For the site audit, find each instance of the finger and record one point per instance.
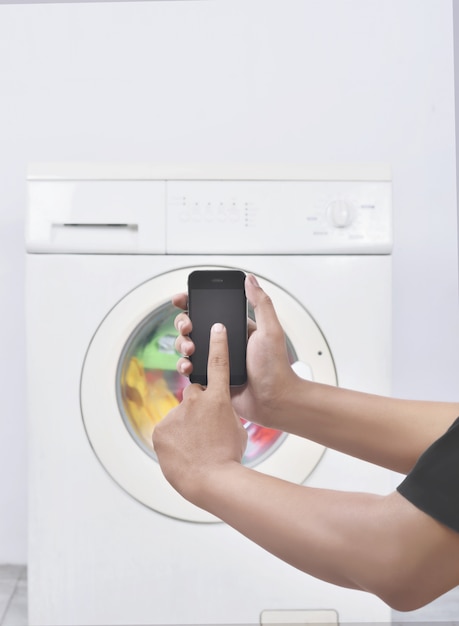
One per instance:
(184, 346)
(251, 326)
(184, 366)
(192, 390)
(263, 307)
(218, 371)
(183, 324)
(180, 300)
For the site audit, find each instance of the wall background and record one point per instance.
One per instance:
(257, 81)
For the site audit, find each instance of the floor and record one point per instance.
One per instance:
(13, 603)
(13, 595)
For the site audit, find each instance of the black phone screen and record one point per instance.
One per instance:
(218, 296)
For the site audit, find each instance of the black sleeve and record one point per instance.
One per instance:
(433, 483)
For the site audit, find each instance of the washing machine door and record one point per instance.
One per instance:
(129, 383)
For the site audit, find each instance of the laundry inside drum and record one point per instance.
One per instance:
(149, 386)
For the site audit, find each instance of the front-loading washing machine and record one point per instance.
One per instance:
(110, 542)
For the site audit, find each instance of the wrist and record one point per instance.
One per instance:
(215, 486)
(287, 404)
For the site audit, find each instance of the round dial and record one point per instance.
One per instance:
(340, 213)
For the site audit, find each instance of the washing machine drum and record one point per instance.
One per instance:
(129, 383)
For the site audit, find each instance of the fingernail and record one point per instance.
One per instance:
(218, 328)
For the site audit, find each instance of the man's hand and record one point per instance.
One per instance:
(270, 377)
(202, 434)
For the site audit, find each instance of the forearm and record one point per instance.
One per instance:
(311, 529)
(380, 544)
(386, 431)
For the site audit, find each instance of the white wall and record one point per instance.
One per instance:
(302, 81)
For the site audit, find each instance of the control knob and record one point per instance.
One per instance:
(340, 213)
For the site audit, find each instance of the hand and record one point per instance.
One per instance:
(203, 433)
(270, 377)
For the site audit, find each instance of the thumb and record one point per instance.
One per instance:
(265, 314)
(218, 365)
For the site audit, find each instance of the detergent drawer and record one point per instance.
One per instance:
(96, 216)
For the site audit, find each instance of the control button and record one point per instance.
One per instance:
(340, 213)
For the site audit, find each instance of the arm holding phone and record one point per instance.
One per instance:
(382, 544)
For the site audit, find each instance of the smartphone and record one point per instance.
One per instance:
(218, 296)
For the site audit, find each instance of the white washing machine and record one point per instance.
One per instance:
(110, 542)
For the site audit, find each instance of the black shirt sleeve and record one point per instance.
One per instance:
(433, 483)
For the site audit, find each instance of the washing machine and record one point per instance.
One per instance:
(107, 245)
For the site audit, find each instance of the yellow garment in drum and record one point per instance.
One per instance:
(146, 403)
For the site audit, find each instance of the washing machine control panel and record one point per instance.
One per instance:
(279, 217)
(145, 211)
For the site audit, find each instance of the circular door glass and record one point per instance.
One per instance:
(149, 386)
